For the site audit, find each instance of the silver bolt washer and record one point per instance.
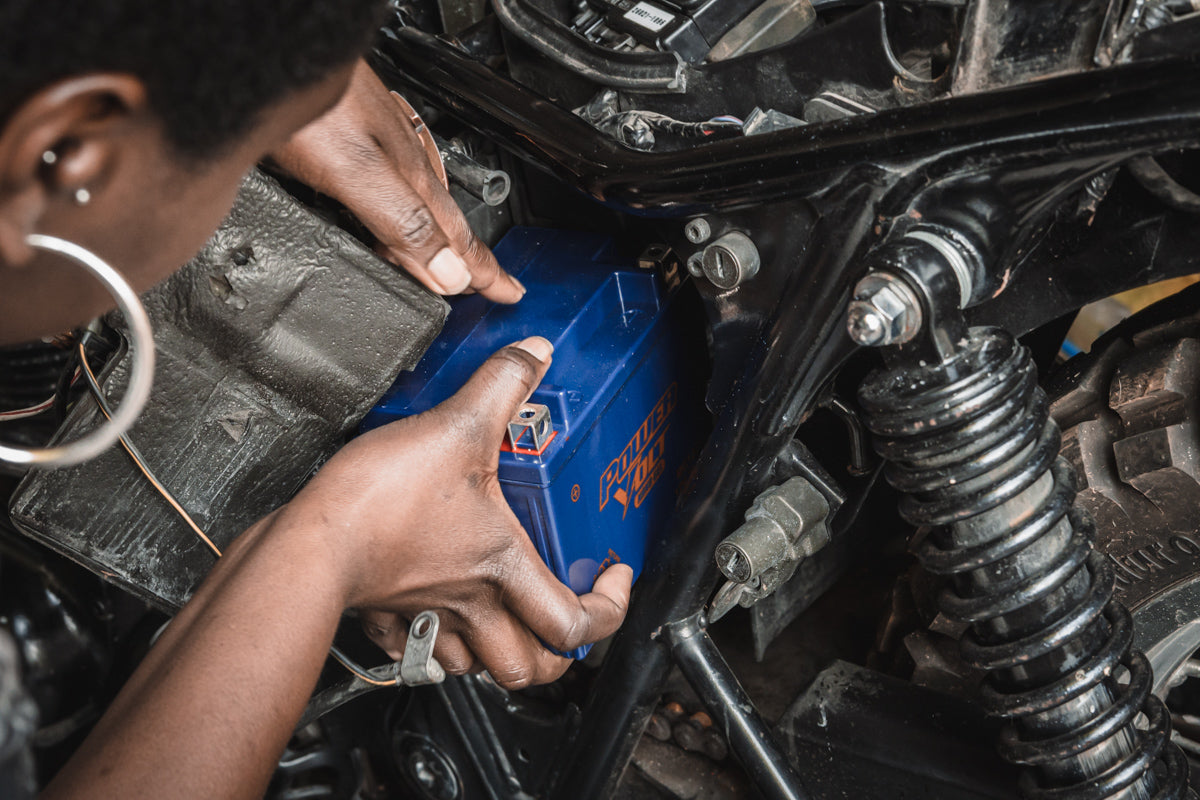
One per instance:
(954, 257)
(866, 326)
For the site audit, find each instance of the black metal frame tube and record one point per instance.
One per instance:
(1129, 109)
(749, 737)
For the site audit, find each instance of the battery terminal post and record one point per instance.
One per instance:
(534, 419)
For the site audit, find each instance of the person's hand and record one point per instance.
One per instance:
(365, 153)
(419, 521)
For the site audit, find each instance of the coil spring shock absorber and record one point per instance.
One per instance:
(965, 429)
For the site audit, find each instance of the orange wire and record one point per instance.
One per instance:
(358, 672)
(361, 674)
(162, 490)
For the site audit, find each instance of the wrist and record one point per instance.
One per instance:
(320, 550)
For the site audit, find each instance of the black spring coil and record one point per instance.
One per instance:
(970, 444)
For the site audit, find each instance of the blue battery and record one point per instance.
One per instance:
(624, 392)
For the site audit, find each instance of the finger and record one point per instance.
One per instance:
(408, 232)
(387, 630)
(490, 398)
(407, 153)
(453, 653)
(487, 277)
(512, 655)
(561, 618)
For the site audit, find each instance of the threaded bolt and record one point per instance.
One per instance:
(885, 310)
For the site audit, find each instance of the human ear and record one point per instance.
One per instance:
(58, 150)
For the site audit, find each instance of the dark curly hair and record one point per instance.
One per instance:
(209, 66)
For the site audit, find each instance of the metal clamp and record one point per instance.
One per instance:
(532, 417)
(418, 667)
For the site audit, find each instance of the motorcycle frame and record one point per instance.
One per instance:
(842, 185)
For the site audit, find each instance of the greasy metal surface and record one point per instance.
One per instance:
(272, 342)
(732, 710)
(1119, 110)
(1006, 43)
(860, 733)
(18, 720)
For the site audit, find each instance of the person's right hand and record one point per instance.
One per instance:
(365, 153)
(420, 523)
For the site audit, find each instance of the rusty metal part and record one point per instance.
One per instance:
(658, 728)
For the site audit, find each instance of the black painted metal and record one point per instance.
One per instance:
(965, 430)
(1128, 109)
(969, 441)
(935, 746)
(750, 740)
(1034, 143)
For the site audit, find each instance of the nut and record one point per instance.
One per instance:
(697, 230)
(884, 311)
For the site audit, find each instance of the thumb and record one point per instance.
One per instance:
(496, 391)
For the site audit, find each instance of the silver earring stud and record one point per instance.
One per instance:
(82, 197)
(49, 157)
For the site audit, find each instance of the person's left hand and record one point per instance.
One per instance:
(365, 153)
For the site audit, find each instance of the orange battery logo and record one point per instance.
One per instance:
(633, 474)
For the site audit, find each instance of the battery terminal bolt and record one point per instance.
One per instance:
(534, 418)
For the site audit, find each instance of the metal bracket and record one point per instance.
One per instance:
(418, 667)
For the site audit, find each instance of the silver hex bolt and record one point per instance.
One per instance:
(730, 260)
(884, 311)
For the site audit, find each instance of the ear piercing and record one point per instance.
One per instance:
(82, 196)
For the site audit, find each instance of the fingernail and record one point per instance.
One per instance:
(448, 269)
(520, 286)
(537, 347)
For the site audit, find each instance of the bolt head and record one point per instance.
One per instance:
(697, 230)
(730, 260)
(884, 311)
(865, 324)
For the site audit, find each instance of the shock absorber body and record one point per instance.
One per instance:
(965, 429)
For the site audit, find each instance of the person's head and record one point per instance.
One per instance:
(126, 126)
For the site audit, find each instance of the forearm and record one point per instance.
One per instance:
(211, 707)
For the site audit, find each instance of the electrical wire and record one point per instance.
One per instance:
(33, 411)
(27, 412)
(1156, 180)
(370, 676)
(365, 675)
(138, 460)
(893, 60)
